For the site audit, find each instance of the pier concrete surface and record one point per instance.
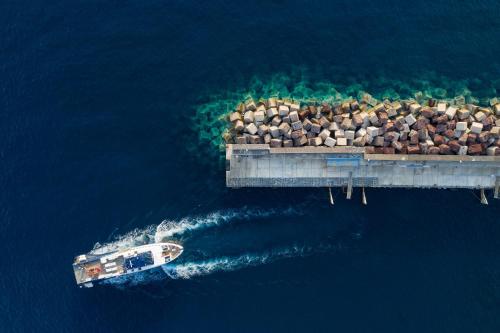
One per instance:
(259, 165)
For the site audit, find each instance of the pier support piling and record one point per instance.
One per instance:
(363, 197)
(349, 186)
(484, 201)
(331, 196)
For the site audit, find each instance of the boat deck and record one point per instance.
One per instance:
(95, 269)
(90, 267)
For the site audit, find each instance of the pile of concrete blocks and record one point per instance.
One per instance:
(383, 127)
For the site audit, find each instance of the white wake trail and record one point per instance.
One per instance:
(170, 228)
(226, 264)
(188, 270)
(135, 237)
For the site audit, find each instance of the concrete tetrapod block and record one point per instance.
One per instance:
(354, 105)
(339, 134)
(476, 128)
(263, 130)
(294, 116)
(276, 121)
(397, 145)
(441, 108)
(410, 119)
(357, 120)
(297, 125)
(284, 128)
(324, 134)
(272, 112)
(349, 135)
(495, 131)
(251, 128)
(324, 123)
(433, 150)
(296, 134)
(413, 150)
(454, 146)
(283, 110)
(461, 126)
(294, 107)
(239, 126)
(307, 124)
(359, 141)
(346, 123)
(360, 132)
(333, 127)
(250, 104)
(496, 108)
(275, 131)
(415, 107)
(330, 142)
(479, 116)
(379, 107)
(451, 112)
(372, 131)
(345, 107)
(275, 143)
(255, 139)
(444, 149)
(475, 149)
(317, 141)
(463, 150)
(373, 118)
(484, 136)
(378, 141)
(234, 116)
(427, 112)
(493, 151)
(341, 142)
(397, 106)
(259, 116)
(300, 141)
(391, 136)
(315, 128)
(463, 114)
(248, 117)
(391, 112)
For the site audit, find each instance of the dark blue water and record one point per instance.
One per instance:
(96, 139)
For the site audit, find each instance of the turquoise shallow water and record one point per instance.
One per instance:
(101, 110)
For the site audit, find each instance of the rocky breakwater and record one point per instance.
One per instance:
(433, 127)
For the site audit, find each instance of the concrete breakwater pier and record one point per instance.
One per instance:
(364, 143)
(251, 165)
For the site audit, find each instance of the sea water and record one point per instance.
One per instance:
(110, 133)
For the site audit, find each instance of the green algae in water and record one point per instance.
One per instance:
(211, 117)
